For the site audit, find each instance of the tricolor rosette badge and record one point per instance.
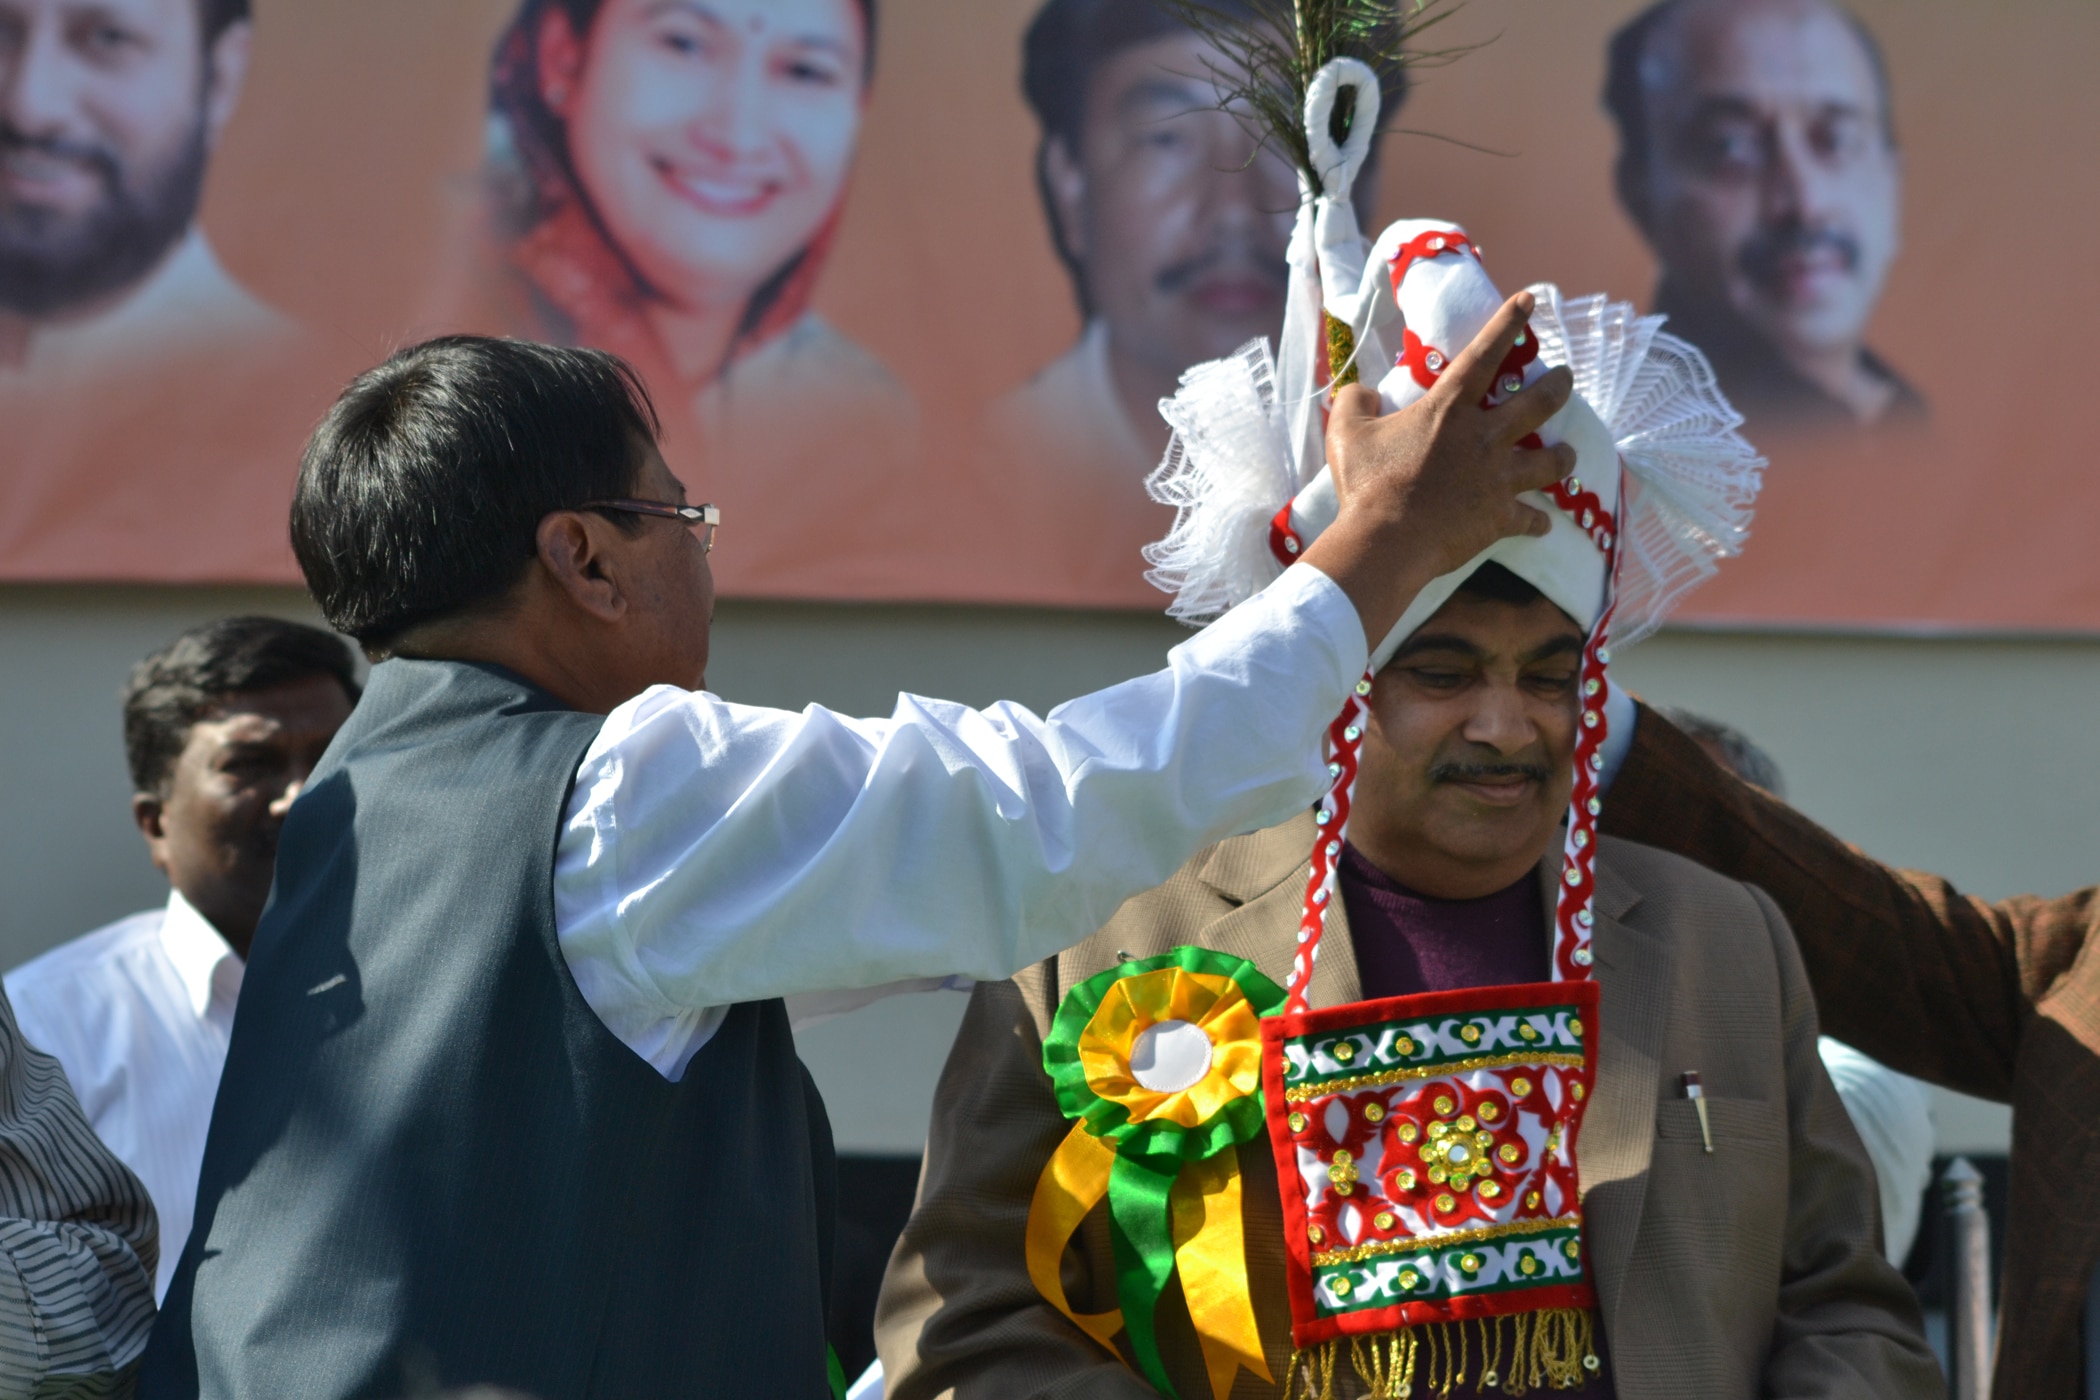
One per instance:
(1158, 1062)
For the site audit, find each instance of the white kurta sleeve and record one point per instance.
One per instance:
(716, 854)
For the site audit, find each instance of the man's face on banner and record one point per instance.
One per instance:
(108, 109)
(1182, 240)
(1773, 187)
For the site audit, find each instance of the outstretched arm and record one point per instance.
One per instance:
(717, 854)
(78, 1239)
(1923, 978)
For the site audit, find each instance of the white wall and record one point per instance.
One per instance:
(1977, 759)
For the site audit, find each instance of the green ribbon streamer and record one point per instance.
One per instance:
(835, 1373)
(1149, 1156)
(1141, 1234)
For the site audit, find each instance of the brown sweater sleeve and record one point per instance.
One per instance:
(1924, 978)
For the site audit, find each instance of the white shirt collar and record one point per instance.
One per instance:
(209, 968)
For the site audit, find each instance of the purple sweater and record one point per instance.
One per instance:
(1408, 943)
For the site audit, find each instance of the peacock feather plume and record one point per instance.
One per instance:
(1272, 48)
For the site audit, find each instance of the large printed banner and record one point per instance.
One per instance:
(907, 277)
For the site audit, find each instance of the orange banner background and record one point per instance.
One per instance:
(347, 194)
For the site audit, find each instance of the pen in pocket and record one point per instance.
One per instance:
(1697, 1095)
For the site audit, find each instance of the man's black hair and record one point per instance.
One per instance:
(1626, 94)
(422, 491)
(218, 16)
(1497, 584)
(178, 685)
(1069, 40)
(1738, 753)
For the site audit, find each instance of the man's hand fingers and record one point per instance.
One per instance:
(1353, 403)
(1527, 410)
(1536, 469)
(1352, 417)
(1472, 374)
(1531, 520)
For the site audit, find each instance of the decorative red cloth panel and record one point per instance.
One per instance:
(1426, 1147)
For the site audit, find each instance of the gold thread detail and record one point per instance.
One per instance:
(1451, 1067)
(1341, 351)
(1356, 1254)
(1517, 1353)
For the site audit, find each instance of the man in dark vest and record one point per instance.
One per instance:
(512, 1096)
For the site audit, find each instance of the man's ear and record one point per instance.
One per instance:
(1064, 191)
(558, 57)
(147, 809)
(226, 73)
(572, 547)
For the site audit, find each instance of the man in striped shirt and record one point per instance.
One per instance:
(78, 1240)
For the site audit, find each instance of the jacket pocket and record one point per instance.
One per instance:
(1750, 1124)
(1702, 1280)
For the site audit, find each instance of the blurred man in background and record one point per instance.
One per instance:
(109, 112)
(221, 727)
(1757, 154)
(1173, 227)
(2000, 1001)
(1892, 1112)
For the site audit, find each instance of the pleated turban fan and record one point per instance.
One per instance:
(1427, 1146)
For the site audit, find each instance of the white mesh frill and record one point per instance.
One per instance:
(1226, 472)
(1691, 479)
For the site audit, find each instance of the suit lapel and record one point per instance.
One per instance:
(1265, 875)
(1618, 1132)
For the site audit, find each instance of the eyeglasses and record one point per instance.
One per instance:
(705, 518)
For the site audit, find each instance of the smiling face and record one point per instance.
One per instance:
(1468, 758)
(712, 137)
(213, 831)
(108, 111)
(1772, 186)
(1180, 226)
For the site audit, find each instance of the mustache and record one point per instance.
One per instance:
(1763, 254)
(99, 158)
(1176, 277)
(1486, 772)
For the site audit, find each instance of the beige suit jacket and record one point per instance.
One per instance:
(1754, 1271)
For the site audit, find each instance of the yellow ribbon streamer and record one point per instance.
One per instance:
(1210, 1254)
(1210, 1251)
(1198, 1217)
(1073, 1183)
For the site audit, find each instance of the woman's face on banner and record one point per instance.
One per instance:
(713, 137)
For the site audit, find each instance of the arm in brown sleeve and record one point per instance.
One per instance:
(1848, 1324)
(959, 1316)
(1923, 978)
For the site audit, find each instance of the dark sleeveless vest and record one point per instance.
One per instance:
(430, 1164)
